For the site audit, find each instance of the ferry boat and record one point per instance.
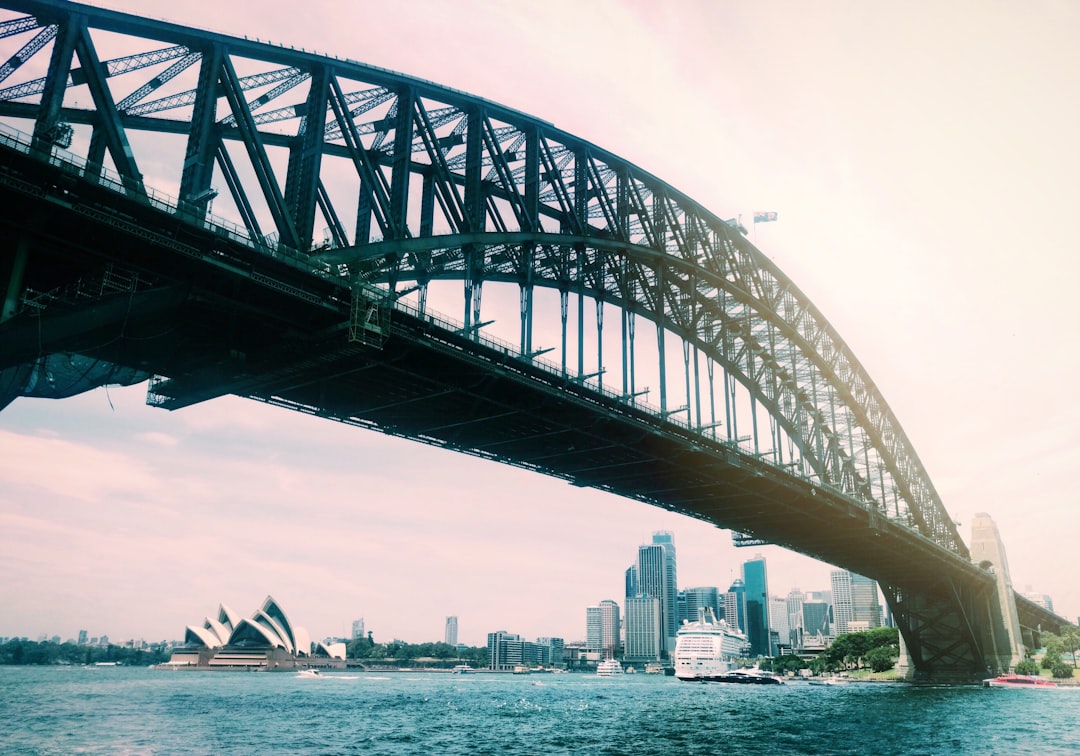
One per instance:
(609, 667)
(704, 649)
(752, 676)
(1018, 681)
(462, 669)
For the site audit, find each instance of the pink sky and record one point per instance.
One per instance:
(923, 163)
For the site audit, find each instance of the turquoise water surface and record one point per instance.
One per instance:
(88, 710)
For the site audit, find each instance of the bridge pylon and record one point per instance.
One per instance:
(1003, 642)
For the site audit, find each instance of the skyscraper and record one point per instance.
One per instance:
(855, 602)
(734, 607)
(610, 625)
(451, 630)
(602, 625)
(794, 607)
(780, 624)
(842, 609)
(756, 602)
(656, 577)
(594, 630)
(692, 599)
(643, 629)
(358, 628)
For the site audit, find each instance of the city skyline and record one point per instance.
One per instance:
(926, 217)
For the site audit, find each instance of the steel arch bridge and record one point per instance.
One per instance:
(344, 194)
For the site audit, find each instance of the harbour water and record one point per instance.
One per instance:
(118, 710)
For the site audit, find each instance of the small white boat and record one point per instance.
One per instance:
(832, 680)
(309, 673)
(609, 667)
(462, 669)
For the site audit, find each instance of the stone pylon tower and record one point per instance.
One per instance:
(1004, 647)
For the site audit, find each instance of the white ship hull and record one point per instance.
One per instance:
(704, 649)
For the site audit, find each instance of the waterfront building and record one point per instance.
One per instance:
(508, 650)
(756, 606)
(643, 629)
(450, 635)
(504, 650)
(265, 640)
(358, 628)
(556, 650)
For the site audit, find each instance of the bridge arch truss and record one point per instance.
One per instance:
(397, 183)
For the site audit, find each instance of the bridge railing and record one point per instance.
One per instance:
(79, 166)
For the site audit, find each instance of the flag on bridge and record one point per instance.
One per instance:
(760, 217)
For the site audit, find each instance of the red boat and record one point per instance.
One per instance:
(1018, 681)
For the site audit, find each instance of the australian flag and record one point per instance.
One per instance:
(760, 217)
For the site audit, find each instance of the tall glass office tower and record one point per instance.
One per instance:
(656, 578)
(756, 601)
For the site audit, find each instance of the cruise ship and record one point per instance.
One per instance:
(705, 648)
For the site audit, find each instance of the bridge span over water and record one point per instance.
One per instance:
(220, 215)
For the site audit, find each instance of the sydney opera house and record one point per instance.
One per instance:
(264, 641)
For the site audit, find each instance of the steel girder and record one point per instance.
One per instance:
(444, 185)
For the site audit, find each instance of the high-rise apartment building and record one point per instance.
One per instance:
(450, 636)
(756, 603)
(358, 628)
(794, 607)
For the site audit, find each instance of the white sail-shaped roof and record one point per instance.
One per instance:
(333, 650)
(218, 630)
(201, 636)
(303, 641)
(249, 632)
(275, 612)
(262, 618)
(227, 617)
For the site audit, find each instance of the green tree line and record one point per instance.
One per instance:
(18, 651)
(877, 649)
(399, 653)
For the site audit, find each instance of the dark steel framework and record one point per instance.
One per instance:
(413, 183)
